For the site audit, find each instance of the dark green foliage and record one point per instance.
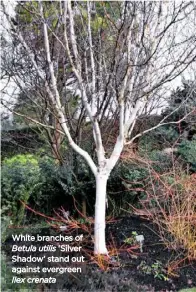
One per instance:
(160, 161)
(135, 173)
(7, 276)
(134, 180)
(160, 138)
(166, 135)
(20, 139)
(43, 185)
(183, 99)
(187, 150)
(20, 178)
(77, 180)
(126, 185)
(32, 180)
(49, 191)
(182, 105)
(147, 144)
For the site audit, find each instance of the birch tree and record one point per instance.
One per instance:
(118, 58)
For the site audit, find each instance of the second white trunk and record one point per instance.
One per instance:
(100, 210)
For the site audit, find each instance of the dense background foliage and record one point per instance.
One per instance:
(44, 183)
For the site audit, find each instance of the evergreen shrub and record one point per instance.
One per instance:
(20, 177)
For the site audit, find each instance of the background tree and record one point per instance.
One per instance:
(115, 60)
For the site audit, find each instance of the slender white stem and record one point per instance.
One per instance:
(57, 103)
(91, 50)
(73, 36)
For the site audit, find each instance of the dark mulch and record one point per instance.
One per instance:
(153, 251)
(125, 272)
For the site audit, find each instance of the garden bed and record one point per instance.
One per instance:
(129, 269)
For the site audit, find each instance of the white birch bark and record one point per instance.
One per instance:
(100, 211)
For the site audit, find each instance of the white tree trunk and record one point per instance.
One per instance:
(100, 210)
